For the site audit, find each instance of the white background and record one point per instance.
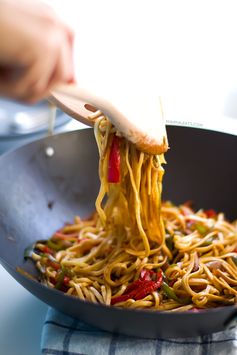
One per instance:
(183, 50)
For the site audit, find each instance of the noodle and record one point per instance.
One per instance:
(136, 251)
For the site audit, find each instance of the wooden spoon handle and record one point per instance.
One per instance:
(66, 97)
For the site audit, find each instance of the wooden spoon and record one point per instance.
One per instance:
(145, 130)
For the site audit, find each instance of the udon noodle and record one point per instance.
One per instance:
(136, 251)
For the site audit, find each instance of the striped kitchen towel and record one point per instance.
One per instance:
(63, 335)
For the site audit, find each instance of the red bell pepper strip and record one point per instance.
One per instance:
(146, 275)
(114, 160)
(210, 213)
(135, 285)
(54, 265)
(47, 250)
(149, 287)
(66, 280)
(141, 287)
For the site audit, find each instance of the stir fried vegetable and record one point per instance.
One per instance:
(114, 161)
(148, 282)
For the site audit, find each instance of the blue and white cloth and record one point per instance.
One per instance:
(63, 335)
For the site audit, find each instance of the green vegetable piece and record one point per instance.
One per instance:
(201, 229)
(207, 242)
(67, 271)
(54, 246)
(171, 266)
(169, 292)
(169, 240)
(60, 280)
(234, 258)
(29, 251)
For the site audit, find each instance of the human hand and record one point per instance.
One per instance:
(35, 50)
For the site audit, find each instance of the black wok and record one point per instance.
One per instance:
(39, 193)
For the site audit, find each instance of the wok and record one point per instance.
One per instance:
(40, 191)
